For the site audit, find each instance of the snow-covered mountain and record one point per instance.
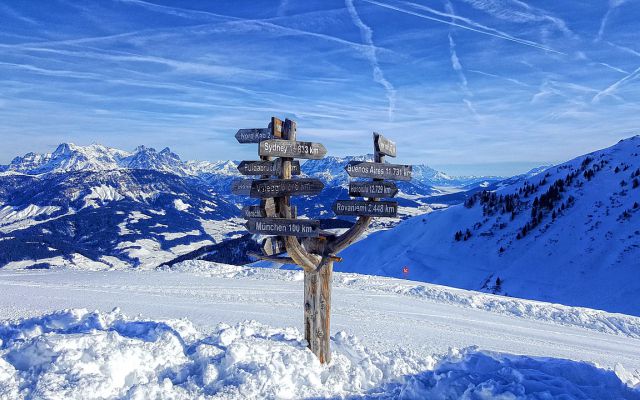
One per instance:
(146, 207)
(570, 234)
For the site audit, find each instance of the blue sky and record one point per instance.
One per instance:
(469, 86)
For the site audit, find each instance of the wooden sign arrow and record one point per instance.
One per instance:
(256, 135)
(264, 188)
(384, 145)
(372, 189)
(266, 167)
(366, 208)
(268, 210)
(253, 135)
(272, 246)
(363, 169)
(284, 227)
(241, 187)
(292, 149)
(253, 212)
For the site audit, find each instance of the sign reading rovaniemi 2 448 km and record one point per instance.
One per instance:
(300, 241)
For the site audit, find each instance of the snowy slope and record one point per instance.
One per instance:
(569, 235)
(191, 338)
(117, 218)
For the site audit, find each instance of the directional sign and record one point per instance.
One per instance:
(268, 210)
(241, 187)
(384, 145)
(257, 135)
(272, 246)
(266, 167)
(253, 212)
(292, 149)
(372, 189)
(253, 135)
(363, 169)
(284, 227)
(264, 188)
(366, 208)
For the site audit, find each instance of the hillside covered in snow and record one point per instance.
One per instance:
(569, 235)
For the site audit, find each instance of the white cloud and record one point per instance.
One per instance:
(489, 32)
(378, 75)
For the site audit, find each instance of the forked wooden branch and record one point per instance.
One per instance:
(279, 260)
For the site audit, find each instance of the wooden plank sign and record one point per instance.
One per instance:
(256, 135)
(272, 246)
(384, 146)
(253, 212)
(292, 149)
(241, 187)
(366, 208)
(363, 169)
(266, 167)
(264, 188)
(284, 227)
(372, 189)
(253, 135)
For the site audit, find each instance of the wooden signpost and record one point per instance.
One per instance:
(304, 243)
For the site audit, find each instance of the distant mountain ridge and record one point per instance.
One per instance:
(69, 157)
(143, 208)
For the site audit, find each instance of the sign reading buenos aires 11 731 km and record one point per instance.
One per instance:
(363, 169)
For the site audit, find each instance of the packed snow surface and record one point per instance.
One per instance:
(219, 331)
(76, 354)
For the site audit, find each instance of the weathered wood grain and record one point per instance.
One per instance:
(383, 145)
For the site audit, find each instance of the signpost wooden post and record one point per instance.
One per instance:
(302, 239)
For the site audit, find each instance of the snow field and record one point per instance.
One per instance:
(76, 354)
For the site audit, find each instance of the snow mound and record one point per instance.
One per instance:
(470, 374)
(76, 354)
